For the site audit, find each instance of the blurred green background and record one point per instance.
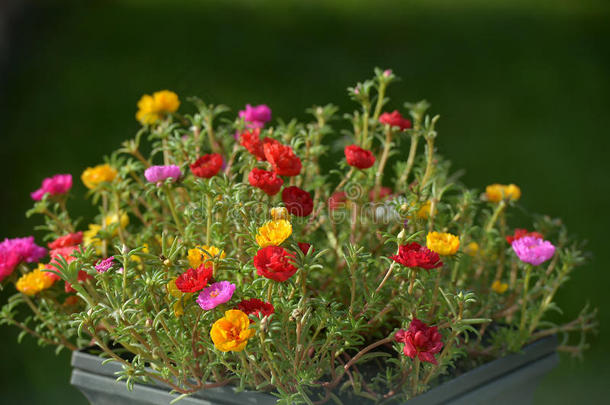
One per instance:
(523, 88)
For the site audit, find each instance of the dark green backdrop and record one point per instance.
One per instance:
(523, 90)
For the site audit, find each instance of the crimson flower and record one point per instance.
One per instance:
(395, 119)
(267, 181)
(384, 192)
(282, 158)
(275, 263)
(358, 157)
(207, 165)
(415, 255)
(337, 200)
(304, 247)
(71, 239)
(256, 307)
(521, 233)
(194, 280)
(420, 340)
(297, 201)
(251, 141)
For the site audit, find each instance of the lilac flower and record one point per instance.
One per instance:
(18, 250)
(257, 116)
(104, 265)
(216, 294)
(533, 250)
(156, 174)
(58, 184)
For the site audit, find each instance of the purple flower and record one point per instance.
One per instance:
(103, 265)
(257, 116)
(156, 174)
(216, 294)
(58, 184)
(533, 250)
(18, 250)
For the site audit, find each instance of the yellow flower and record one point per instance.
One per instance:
(424, 211)
(90, 236)
(273, 233)
(114, 218)
(499, 287)
(93, 176)
(198, 255)
(498, 192)
(151, 108)
(231, 332)
(137, 258)
(472, 249)
(35, 281)
(278, 213)
(444, 244)
(173, 291)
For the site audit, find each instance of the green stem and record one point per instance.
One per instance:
(415, 382)
(172, 208)
(382, 161)
(526, 282)
(496, 214)
(412, 151)
(429, 162)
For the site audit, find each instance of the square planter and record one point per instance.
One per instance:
(509, 380)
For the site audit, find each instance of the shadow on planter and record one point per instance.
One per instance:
(509, 380)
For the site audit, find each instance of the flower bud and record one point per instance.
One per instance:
(278, 213)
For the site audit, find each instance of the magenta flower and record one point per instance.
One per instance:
(18, 250)
(216, 294)
(58, 184)
(157, 174)
(257, 116)
(104, 265)
(533, 250)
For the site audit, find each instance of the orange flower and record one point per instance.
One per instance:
(231, 332)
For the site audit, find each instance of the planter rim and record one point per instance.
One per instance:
(541, 352)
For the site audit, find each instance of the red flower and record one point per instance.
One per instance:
(71, 239)
(251, 141)
(256, 307)
(267, 181)
(337, 200)
(358, 157)
(305, 247)
(82, 277)
(384, 192)
(274, 262)
(520, 233)
(63, 252)
(207, 165)
(282, 159)
(297, 201)
(414, 255)
(394, 119)
(194, 280)
(420, 340)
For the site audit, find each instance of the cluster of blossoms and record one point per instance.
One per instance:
(237, 240)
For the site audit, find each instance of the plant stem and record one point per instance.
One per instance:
(429, 162)
(172, 208)
(412, 152)
(526, 281)
(415, 382)
(382, 161)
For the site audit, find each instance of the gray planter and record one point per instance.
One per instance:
(510, 380)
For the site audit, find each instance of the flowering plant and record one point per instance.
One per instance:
(232, 255)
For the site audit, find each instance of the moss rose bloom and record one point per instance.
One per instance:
(415, 255)
(215, 294)
(337, 200)
(358, 157)
(297, 201)
(267, 181)
(533, 250)
(256, 116)
(304, 247)
(520, 233)
(395, 119)
(194, 280)
(256, 307)
(58, 184)
(207, 165)
(71, 239)
(251, 141)
(231, 332)
(18, 250)
(104, 265)
(443, 243)
(420, 340)
(282, 158)
(274, 262)
(157, 174)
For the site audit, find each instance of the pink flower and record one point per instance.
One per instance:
(104, 265)
(157, 174)
(215, 294)
(58, 184)
(257, 116)
(420, 340)
(18, 250)
(533, 250)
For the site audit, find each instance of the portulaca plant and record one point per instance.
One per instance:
(227, 254)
